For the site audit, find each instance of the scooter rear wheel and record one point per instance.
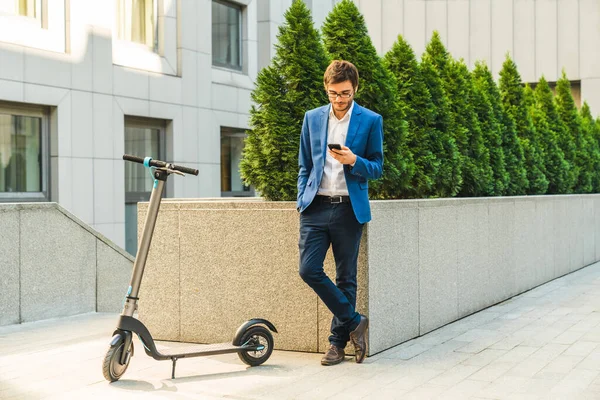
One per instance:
(111, 366)
(257, 335)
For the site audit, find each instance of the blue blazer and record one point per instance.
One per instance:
(364, 138)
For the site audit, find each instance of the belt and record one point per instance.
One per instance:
(333, 199)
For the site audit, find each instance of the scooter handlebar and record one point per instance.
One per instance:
(161, 164)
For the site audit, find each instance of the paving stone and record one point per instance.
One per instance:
(492, 371)
(527, 368)
(484, 358)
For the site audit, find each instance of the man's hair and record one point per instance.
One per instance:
(340, 71)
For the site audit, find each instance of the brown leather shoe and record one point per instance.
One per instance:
(359, 339)
(334, 355)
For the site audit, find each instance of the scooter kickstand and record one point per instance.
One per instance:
(174, 359)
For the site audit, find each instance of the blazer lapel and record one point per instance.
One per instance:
(323, 131)
(354, 124)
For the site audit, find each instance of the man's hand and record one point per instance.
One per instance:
(344, 156)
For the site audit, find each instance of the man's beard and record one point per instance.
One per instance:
(345, 106)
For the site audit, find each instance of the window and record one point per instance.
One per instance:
(23, 154)
(232, 144)
(226, 35)
(35, 9)
(39, 24)
(145, 37)
(27, 8)
(143, 138)
(137, 22)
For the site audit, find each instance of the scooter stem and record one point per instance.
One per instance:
(144, 247)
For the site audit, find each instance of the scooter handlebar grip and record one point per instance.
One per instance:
(140, 160)
(186, 170)
(128, 157)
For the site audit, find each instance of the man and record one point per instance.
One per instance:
(333, 201)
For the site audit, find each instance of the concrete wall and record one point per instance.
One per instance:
(423, 264)
(53, 265)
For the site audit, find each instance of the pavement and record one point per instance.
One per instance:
(542, 344)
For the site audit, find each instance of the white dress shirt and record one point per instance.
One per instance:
(334, 181)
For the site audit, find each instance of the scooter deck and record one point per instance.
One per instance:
(182, 350)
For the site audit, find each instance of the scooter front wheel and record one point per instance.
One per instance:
(111, 366)
(257, 335)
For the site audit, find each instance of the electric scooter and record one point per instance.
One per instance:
(253, 341)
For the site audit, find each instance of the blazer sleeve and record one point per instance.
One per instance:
(371, 166)
(304, 158)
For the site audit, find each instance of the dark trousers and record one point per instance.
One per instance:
(322, 224)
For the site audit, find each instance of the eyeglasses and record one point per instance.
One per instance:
(334, 95)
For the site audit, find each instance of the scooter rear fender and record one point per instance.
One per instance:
(237, 339)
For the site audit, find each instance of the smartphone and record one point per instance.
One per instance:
(335, 146)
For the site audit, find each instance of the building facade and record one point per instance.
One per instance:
(542, 36)
(82, 83)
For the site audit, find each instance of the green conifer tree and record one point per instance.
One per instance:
(284, 91)
(544, 100)
(582, 160)
(439, 56)
(556, 168)
(511, 145)
(596, 131)
(513, 99)
(591, 131)
(449, 179)
(475, 168)
(478, 179)
(419, 111)
(491, 128)
(346, 38)
(539, 177)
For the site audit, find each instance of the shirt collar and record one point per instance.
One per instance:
(345, 117)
